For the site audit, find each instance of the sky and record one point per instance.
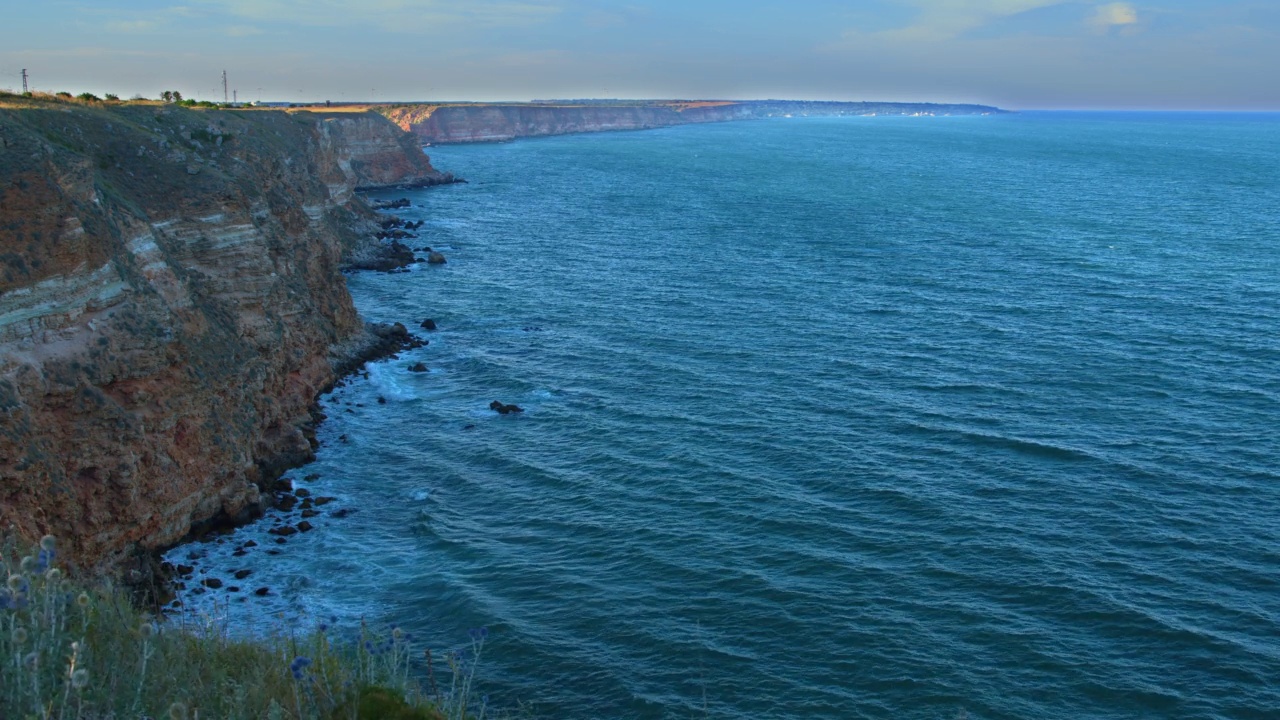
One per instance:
(1017, 54)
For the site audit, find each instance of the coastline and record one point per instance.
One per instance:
(172, 304)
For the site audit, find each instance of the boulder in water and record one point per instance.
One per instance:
(504, 409)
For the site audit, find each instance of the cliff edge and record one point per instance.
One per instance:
(171, 298)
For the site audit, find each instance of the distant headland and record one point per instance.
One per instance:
(464, 122)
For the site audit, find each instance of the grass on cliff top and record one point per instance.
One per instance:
(67, 651)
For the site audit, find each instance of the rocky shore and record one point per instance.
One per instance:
(171, 304)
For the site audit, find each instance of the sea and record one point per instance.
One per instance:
(879, 417)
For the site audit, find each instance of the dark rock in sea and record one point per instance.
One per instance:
(284, 484)
(302, 492)
(324, 500)
(305, 526)
(469, 427)
(262, 592)
(283, 531)
(382, 400)
(503, 409)
(313, 476)
(435, 258)
(211, 583)
(418, 368)
(309, 513)
(428, 324)
(419, 259)
(233, 588)
(250, 543)
(286, 502)
(185, 570)
(242, 574)
(390, 204)
(384, 257)
(343, 512)
(343, 438)
(239, 553)
(281, 541)
(425, 248)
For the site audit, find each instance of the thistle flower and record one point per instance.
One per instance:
(177, 711)
(297, 667)
(44, 559)
(28, 564)
(397, 633)
(17, 583)
(146, 630)
(19, 635)
(83, 600)
(79, 678)
(53, 576)
(31, 660)
(48, 542)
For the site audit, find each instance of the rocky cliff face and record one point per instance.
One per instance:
(481, 123)
(170, 294)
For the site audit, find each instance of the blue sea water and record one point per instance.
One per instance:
(828, 418)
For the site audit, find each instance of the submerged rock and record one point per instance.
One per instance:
(503, 409)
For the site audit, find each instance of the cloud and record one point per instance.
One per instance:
(132, 26)
(1118, 14)
(390, 15)
(945, 19)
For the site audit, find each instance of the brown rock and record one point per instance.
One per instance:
(143, 367)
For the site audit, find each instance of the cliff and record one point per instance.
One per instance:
(482, 122)
(171, 302)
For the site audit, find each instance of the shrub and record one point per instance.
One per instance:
(67, 651)
(112, 97)
(88, 97)
(63, 94)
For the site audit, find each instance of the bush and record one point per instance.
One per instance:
(88, 97)
(71, 652)
(112, 97)
(63, 94)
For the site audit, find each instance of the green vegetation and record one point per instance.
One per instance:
(88, 97)
(70, 652)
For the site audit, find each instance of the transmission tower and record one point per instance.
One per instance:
(224, 87)
(24, 80)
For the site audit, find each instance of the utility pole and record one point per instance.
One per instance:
(24, 80)
(224, 87)
(235, 97)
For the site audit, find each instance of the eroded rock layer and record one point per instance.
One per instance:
(170, 299)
